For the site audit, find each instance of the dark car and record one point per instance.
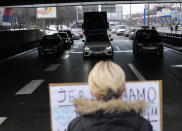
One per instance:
(98, 44)
(66, 39)
(69, 35)
(50, 44)
(147, 41)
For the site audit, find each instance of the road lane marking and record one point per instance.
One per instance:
(52, 67)
(136, 72)
(117, 48)
(71, 50)
(77, 52)
(178, 66)
(65, 57)
(30, 87)
(76, 46)
(2, 119)
(67, 52)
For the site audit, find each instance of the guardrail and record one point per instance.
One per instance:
(170, 38)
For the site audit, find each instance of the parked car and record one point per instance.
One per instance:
(50, 44)
(147, 41)
(70, 35)
(66, 39)
(98, 44)
(132, 33)
(120, 29)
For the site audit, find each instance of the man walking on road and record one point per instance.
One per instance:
(176, 28)
(171, 28)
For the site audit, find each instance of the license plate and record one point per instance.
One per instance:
(149, 48)
(98, 52)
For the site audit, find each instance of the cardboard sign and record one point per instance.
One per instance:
(63, 111)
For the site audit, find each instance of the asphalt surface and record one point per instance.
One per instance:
(30, 112)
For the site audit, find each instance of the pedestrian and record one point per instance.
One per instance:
(176, 28)
(171, 28)
(153, 28)
(108, 112)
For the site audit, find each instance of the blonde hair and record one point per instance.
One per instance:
(104, 76)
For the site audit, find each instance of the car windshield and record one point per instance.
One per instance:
(133, 30)
(98, 37)
(121, 27)
(147, 36)
(50, 40)
(68, 32)
(63, 35)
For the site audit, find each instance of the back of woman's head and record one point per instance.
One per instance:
(106, 76)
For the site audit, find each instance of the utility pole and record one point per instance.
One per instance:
(148, 15)
(44, 26)
(77, 13)
(130, 15)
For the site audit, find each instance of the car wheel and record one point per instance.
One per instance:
(40, 54)
(111, 56)
(160, 53)
(58, 52)
(85, 57)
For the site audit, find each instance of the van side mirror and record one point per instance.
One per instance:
(109, 35)
(111, 39)
(83, 40)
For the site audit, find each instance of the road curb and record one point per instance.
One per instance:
(172, 47)
(17, 55)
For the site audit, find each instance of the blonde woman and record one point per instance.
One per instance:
(108, 112)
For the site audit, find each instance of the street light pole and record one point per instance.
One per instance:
(148, 15)
(77, 14)
(130, 15)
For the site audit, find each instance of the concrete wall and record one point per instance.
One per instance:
(12, 42)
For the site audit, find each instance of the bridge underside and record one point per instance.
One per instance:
(41, 3)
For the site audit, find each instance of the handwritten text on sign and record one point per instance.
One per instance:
(63, 111)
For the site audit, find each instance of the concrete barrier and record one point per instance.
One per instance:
(13, 42)
(173, 39)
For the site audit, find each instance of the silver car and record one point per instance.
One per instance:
(98, 45)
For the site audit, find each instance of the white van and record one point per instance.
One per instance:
(120, 29)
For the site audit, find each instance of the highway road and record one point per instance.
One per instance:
(24, 98)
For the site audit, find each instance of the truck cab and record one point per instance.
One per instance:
(95, 21)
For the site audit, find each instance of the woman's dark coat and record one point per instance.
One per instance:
(113, 115)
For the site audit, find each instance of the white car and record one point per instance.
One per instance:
(98, 44)
(120, 29)
(113, 30)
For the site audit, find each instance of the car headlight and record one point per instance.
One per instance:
(86, 48)
(109, 47)
(66, 40)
